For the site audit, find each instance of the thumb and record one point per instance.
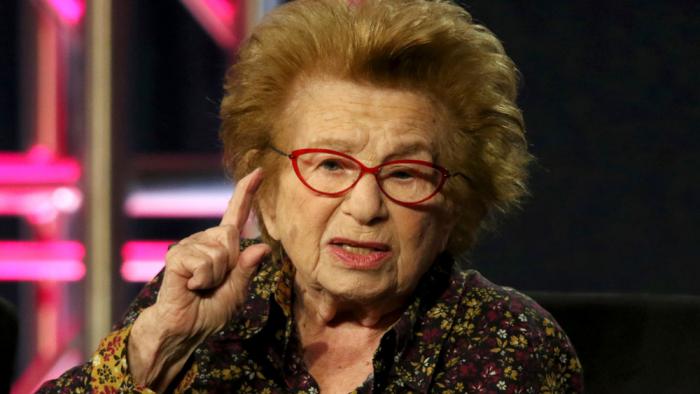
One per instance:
(248, 262)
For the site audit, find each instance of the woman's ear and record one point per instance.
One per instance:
(248, 159)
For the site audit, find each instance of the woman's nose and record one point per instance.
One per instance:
(365, 202)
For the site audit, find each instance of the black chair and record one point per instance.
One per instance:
(8, 344)
(632, 343)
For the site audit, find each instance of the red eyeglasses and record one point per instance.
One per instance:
(332, 173)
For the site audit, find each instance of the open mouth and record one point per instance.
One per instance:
(359, 247)
(360, 255)
(356, 249)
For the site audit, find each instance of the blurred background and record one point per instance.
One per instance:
(109, 152)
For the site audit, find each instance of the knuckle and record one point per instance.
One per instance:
(194, 237)
(203, 265)
(222, 254)
(218, 255)
(200, 266)
(172, 254)
(178, 249)
(184, 257)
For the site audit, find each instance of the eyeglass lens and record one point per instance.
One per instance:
(330, 173)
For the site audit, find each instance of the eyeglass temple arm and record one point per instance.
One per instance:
(466, 178)
(279, 151)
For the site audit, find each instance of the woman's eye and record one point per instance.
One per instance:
(330, 165)
(401, 174)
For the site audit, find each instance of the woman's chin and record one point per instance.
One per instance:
(357, 286)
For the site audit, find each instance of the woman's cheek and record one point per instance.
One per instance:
(307, 220)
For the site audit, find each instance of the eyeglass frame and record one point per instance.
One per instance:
(444, 173)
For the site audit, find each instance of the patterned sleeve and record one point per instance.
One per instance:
(107, 371)
(555, 366)
(503, 341)
(551, 365)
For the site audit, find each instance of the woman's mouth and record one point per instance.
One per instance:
(359, 255)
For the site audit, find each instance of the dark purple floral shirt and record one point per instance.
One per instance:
(460, 334)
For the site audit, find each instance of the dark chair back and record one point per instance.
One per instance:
(632, 343)
(8, 344)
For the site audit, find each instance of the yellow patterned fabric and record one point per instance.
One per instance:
(110, 370)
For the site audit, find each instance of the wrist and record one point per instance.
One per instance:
(155, 352)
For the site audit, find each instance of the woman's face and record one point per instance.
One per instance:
(359, 246)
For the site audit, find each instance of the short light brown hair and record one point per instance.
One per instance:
(432, 47)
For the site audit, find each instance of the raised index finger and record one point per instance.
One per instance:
(238, 207)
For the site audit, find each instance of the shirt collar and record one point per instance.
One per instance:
(428, 319)
(426, 295)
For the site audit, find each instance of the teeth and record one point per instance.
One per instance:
(356, 249)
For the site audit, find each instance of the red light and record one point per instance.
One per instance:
(39, 204)
(182, 202)
(32, 169)
(217, 17)
(41, 260)
(223, 9)
(69, 11)
(143, 259)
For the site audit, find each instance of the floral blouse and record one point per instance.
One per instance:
(460, 334)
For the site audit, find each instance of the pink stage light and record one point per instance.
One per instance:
(69, 11)
(142, 260)
(41, 369)
(36, 169)
(217, 17)
(66, 199)
(178, 202)
(67, 360)
(41, 260)
(39, 204)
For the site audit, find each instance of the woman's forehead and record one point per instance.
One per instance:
(347, 116)
(405, 143)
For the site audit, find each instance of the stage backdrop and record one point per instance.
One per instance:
(611, 95)
(611, 102)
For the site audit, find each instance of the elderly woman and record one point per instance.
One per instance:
(372, 139)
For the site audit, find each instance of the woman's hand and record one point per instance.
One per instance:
(204, 285)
